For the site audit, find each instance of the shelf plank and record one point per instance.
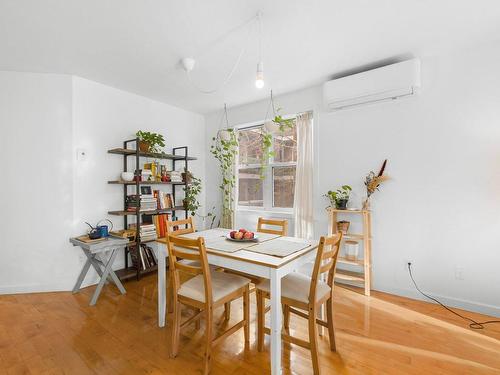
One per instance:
(349, 276)
(344, 260)
(154, 212)
(145, 183)
(353, 236)
(348, 211)
(130, 152)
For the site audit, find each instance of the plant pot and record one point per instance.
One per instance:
(144, 146)
(187, 177)
(343, 226)
(341, 204)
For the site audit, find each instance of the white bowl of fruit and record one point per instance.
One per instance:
(242, 235)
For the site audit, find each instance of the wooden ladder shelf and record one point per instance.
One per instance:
(352, 277)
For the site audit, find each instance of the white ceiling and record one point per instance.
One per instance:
(135, 45)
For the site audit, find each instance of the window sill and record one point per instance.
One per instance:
(270, 211)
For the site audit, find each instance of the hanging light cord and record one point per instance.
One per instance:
(249, 23)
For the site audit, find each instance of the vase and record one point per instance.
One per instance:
(366, 204)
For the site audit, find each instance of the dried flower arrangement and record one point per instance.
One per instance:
(372, 183)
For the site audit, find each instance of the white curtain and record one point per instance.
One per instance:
(303, 199)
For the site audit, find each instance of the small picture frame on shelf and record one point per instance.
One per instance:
(146, 190)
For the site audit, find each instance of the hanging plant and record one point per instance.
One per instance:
(282, 123)
(225, 149)
(267, 152)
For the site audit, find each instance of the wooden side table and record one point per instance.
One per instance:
(95, 258)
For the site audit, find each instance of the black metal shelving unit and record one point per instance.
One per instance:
(179, 155)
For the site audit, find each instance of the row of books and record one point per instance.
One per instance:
(143, 257)
(160, 223)
(164, 200)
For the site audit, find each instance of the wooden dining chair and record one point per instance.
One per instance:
(181, 227)
(303, 296)
(204, 292)
(177, 228)
(263, 226)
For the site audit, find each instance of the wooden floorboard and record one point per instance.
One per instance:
(58, 333)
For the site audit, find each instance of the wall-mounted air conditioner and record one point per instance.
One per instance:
(390, 82)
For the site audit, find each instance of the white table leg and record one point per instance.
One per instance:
(275, 323)
(162, 285)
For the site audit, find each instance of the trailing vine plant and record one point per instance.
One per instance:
(225, 149)
(267, 135)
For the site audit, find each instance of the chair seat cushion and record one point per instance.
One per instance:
(296, 286)
(223, 284)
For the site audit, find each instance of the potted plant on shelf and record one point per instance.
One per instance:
(150, 142)
(191, 192)
(340, 197)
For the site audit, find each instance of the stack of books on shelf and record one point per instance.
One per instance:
(144, 202)
(175, 176)
(164, 200)
(160, 223)
(147, 232)
(143, 257)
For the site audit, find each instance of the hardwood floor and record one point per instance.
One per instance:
(58, 333)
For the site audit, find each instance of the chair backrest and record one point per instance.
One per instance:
(282, 224)
(326, 261)
(178, 223)
(191, 249)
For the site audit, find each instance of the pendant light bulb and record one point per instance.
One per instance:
(259, 78)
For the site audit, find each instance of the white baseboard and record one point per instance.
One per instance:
(60, 286)
(448, 301)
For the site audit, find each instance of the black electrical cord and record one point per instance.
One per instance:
(473, 324)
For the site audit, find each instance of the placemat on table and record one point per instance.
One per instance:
(280, 247)
(223, 244)
(207, 234)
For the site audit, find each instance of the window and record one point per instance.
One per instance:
(274, 187)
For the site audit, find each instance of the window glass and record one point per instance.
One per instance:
(283, 186)
(250, 146)
(250, 187)
(285, 146)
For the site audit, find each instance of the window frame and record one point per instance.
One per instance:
(268, 183)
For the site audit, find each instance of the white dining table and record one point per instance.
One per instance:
(253, 263)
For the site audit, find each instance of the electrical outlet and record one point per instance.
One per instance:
(459, 273)
(81, 154)
(409, 261)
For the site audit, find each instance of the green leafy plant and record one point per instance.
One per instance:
(155, 141)
(267, 152)
(225, 149)
(191, 192)
(283, 123)
(340, 197)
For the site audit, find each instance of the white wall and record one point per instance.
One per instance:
(48, 194)
(37, 188)
(440, 209)
(103, 117)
